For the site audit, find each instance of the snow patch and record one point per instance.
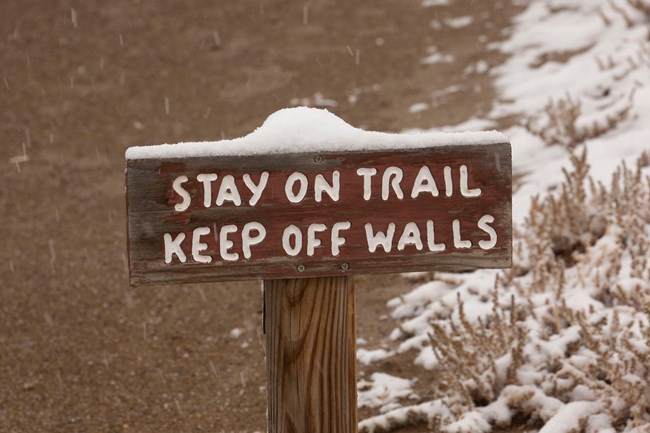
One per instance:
(418, 107)
(431, 3)
(367, 357)
(459, 22)
(436, 57)
(383, 391)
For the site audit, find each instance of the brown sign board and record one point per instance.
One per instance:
(218, 218)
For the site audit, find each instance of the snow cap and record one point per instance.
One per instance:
(304, 129)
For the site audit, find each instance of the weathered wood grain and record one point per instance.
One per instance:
(310, 355)
(151, 200)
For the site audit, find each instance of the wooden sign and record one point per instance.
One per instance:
(198, 219)
(327, 214)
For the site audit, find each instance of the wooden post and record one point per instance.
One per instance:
(310, 355)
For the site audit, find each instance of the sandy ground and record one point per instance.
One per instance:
(80, 350)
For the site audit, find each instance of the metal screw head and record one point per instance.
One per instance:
(318, 158)
(301, 268)
(345, 266)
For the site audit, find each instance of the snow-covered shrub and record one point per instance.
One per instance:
(478, 371)
(570, 221)
(560, 123)
(561, 341)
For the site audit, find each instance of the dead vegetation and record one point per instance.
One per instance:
(620, 377)
(570, 321)
(608, 359)
(559, 123)
(586, 237)
(469, 353)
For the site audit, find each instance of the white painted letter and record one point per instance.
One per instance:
(431, 239)
(248, 240)
(207, 179)
(483, 225)
(449, 183)
(178, 189)
(228, 191)
(256, 189)
(174, 247)
(367, 173)
(383, 239)
(294, 231)
(225, 244)
(411, 236)
(338, 241)
(464, 190)
(321, 185)
(424, 182)
(396, 174)
(198, 246)
(458, 242)
(312, 242)
(288, 187)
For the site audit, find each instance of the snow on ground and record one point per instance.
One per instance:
(436, 56)
(594, 54)
(459, 22)
(562, 341)
(418, 107)
(383, 391)
(430, 3)
(367, 357)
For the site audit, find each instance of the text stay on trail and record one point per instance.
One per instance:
(215, 218)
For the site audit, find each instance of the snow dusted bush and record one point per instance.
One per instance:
(562, 340)
(479, 371)
(559, 122)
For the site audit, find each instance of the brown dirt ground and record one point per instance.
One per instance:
(80, 350)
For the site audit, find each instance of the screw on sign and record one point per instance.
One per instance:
(304, 202)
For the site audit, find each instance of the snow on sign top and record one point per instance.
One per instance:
(303, 129)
